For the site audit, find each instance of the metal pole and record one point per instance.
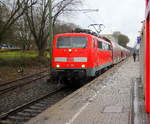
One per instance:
(50, 31)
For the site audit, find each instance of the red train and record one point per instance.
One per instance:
(146, 52)
(82, 55)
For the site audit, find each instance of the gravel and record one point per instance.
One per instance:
(25, 94)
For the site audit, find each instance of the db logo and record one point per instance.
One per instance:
(70, 59)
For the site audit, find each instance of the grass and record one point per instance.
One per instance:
(20, 58)
(9, 66)
(17, 54)
(12, 61)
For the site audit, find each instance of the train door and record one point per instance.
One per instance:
(110, 53)
(100, 53)
(95, 53)
(105, 52)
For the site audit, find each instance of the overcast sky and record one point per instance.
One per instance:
(117, 15)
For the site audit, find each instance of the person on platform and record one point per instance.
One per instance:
(134, 56)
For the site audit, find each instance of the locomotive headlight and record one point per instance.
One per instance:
(70, 50)
(57, 65)
(83, 66)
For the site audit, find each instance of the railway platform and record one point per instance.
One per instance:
(109, 99)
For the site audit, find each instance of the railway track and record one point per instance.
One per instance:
(20, 82)
(25, 112)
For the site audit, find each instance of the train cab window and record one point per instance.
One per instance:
(99, 44)
(72, 42)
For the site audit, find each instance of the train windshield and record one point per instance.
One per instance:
(72, 42)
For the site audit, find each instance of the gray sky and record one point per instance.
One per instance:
(117, 15)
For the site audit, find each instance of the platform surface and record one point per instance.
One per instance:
(107, 101)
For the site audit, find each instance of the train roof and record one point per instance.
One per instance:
(73, 34)
(83, 34)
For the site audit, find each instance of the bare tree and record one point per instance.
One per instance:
(62, 6)
(61, 27)
(37, 17)
(24, 36)
(15, 9)
(38, 20)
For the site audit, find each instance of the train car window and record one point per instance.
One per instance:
(72, 42)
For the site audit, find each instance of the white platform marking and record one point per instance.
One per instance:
(81, 110)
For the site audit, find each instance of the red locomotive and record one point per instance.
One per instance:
(82, 55)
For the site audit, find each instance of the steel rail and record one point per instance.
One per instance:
(5, 90)
(25, 77)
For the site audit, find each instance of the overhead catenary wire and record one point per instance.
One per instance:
(97, 20)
